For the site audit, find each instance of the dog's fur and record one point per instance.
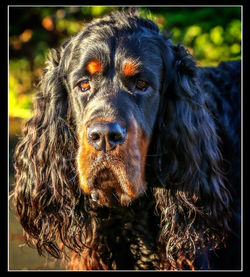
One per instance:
(167, 196)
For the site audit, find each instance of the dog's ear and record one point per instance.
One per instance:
(194, 202)
(46, 181)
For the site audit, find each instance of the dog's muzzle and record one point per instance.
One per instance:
(111, 161)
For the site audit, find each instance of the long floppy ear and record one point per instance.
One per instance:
(193, 201)
(46, 182)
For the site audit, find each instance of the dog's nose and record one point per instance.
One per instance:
(104, 136)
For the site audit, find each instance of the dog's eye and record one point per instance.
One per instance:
(84, 85)
(141, 85)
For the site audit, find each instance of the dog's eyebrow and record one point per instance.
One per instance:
(130, 67)
(94, 66)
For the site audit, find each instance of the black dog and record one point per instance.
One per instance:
(132, 157)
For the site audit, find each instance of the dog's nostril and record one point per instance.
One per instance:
(94, 136)
(115, 137)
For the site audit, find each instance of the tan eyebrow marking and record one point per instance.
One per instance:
(94, 67)
(130, 68)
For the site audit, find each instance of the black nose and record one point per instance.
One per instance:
(105, 135)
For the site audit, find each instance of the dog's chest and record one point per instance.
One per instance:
(131, 241)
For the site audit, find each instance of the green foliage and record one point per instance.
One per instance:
(20, 88)
(211, 34)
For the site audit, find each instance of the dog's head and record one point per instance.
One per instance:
(113, 72)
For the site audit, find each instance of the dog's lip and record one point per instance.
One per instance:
(109, 163)
(110, 173)
(102, 162)
(109, 187)
(118, 189)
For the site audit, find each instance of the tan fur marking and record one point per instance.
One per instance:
(94, 67)
(130, 68)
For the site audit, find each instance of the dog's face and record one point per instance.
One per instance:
(113, 80)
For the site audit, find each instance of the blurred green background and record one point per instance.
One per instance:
(211, 34)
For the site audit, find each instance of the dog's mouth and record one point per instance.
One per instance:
(107, 190)
(111, 183)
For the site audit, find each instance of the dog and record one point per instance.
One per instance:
(131, 160)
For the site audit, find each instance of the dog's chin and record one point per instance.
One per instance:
(107, 189)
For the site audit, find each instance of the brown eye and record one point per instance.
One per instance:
(84, 85)
(141, 85)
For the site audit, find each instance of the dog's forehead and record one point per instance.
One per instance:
(119, 45)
